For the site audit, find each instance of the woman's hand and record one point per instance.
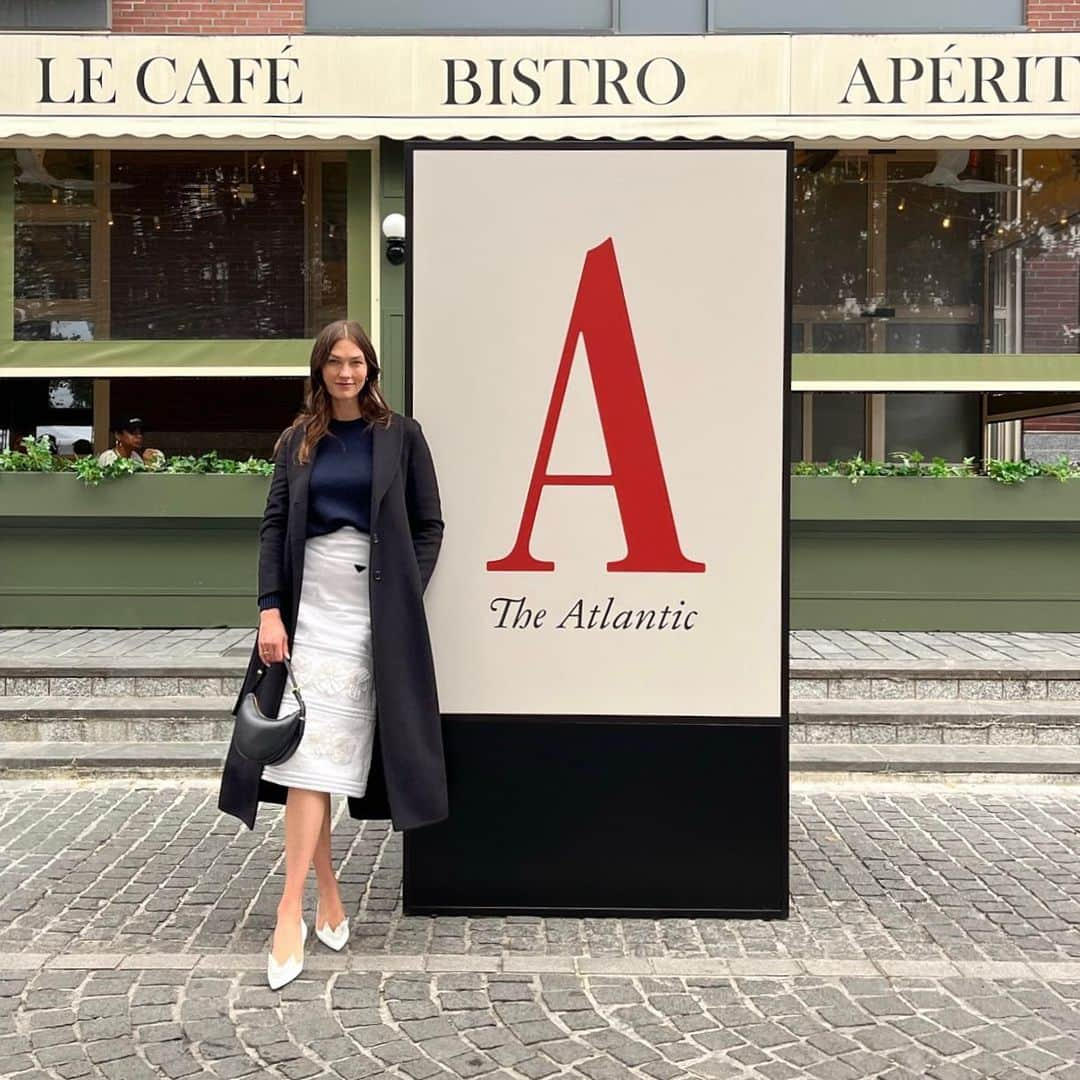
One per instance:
(273, 637)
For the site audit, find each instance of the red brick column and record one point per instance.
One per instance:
(1051, 302)
(1053, 14)
(206, 17)
(1051, 308)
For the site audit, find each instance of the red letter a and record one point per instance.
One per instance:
(601, 318)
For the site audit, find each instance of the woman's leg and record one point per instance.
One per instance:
(331, 911)
(304, 814)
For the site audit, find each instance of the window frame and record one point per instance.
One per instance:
(86, 27)
(712, 26)
(467, 30)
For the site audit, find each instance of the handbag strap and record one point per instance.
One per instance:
(295, 686)
(292, 678)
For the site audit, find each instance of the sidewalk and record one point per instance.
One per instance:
(934, 930)
(934, 933)
(827, 645)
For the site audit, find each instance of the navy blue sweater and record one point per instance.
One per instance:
(340, 486)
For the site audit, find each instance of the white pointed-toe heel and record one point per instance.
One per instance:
(277, 975)
(335, 936)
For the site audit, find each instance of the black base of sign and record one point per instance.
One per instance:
(607, 816)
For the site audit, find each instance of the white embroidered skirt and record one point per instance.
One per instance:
(332, 661)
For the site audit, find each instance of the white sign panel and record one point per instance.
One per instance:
(597, 345)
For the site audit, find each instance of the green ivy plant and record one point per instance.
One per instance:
(36, 456)
(913, 463)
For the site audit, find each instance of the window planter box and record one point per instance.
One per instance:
(913, 553)
(889, 553)
(167, 550)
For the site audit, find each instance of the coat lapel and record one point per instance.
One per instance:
(385, 459)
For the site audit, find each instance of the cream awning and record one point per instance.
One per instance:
(776, 86)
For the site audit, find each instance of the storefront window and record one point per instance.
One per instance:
(52, 261)
(936, 425)
(831, 195)
(158, 245)
(207, 246)
(1043, 246)
(1034, 307)
(442, 16)
(933, 243)
(55, 14)
(236, 417)
(62, 408)
(55, 177)
(61, 230)
(892, 256)
(839, 426)
(327, 267)
(856, 15)
(55, 330)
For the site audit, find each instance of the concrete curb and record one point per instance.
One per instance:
(874, 668)
(22, 758)
(934, 757)
(163, 664)
(543, 964)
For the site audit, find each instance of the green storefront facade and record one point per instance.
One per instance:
(893, 553)
(928, 315)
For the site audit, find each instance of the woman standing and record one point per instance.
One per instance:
(348, 542)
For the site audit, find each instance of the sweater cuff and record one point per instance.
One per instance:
(269, 600)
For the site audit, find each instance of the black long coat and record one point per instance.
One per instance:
(407, 782)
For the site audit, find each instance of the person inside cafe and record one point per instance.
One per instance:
(128, 436)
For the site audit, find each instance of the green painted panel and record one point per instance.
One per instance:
(128, 612)
(916, 500)
(270, 357)
(172, 497)
(963, 576)
(983, 371)
(964, 616)
(923, 555)
(358, 164)
(392, 278)
(101, 573)
(7, 245)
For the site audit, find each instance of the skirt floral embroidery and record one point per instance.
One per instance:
(332, 660)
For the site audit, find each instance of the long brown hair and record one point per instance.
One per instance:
(317, 411)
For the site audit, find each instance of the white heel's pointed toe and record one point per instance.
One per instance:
(336, 936)
(277, 975)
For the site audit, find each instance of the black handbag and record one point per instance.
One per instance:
(265, 739)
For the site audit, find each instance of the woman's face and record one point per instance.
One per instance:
(345, 370)
(131, 440)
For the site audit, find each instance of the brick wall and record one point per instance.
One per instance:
(206, 17)
(1053, 14)
(1061, 422)
(1051, 308)
(1051, 302)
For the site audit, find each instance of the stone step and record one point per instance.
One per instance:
(181, 759)
(105, 719)
(120, 680)
(156, 675)
(124, 663)
(186, 718)
(930, 680)
(922, 760)
(839, 720)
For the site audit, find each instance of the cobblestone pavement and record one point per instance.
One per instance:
(866, 645)
(934, 932)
